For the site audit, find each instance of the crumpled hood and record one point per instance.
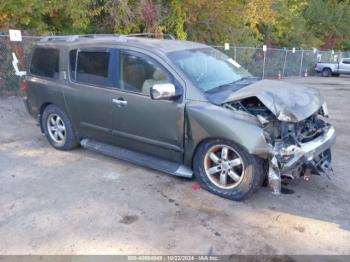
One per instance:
(288, 102)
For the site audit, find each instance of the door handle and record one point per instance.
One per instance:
(120, 101)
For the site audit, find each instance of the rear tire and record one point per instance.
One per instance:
(326, 72)
(228, 177)
(58, 128)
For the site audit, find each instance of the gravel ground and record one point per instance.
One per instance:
(81, 202)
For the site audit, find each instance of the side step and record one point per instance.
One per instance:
(141, 159)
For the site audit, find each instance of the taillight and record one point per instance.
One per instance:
(24, 87)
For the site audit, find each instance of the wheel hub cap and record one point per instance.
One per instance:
(225, 166)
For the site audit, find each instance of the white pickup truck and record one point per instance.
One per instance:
(334, 69)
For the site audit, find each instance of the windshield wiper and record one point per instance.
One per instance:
(230, 84)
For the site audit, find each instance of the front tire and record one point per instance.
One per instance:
(326, 72)
(58, 128)
(227, 170)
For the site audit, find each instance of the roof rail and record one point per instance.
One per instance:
(60, 38)
(153, 35)
(72, 38)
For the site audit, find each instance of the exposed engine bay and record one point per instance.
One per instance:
(298, 148)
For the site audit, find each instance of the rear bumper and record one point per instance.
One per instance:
(37, 117)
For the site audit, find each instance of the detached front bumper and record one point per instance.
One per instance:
(308, 151)
(308, 155)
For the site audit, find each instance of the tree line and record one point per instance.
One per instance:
(284, 23)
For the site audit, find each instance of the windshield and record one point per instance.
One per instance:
(208, 68)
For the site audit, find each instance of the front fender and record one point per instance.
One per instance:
(205, 120)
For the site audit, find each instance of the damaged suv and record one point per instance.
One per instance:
(180, 107)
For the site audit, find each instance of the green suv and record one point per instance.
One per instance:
(180, 107)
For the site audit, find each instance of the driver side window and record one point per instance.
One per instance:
(138, 74)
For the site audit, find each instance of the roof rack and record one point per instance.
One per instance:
(153, 35)
(72, 38)
(60, 38)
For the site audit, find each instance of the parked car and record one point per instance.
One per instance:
(180, 107)
(333, 69)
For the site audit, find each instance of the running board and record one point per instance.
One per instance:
(141, 159)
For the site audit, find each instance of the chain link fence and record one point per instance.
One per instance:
(9, 82)
(281, 62)
(272, 63)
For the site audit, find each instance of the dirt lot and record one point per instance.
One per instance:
(80, 202)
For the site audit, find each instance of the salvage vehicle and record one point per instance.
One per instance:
(333, 69)
(180, 107)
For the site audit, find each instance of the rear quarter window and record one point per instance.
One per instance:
(45, 62)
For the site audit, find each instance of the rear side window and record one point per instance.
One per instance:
(90, 67)
(45, 62)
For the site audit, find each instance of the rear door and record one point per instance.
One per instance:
(89, 92)
(154, 127)
(344, 66)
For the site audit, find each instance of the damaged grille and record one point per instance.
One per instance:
(309, 129)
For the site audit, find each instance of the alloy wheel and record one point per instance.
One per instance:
(56, 129)
(223, 166)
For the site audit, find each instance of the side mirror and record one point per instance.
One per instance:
(163, 91)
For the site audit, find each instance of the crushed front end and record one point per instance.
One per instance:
(298, 148)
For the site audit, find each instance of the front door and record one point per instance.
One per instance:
(344, 66)
(154, 127)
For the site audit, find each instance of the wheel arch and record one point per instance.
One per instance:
(204, 125)
(201, 143)
(42, 109)
(40, 116)
(69, 139)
